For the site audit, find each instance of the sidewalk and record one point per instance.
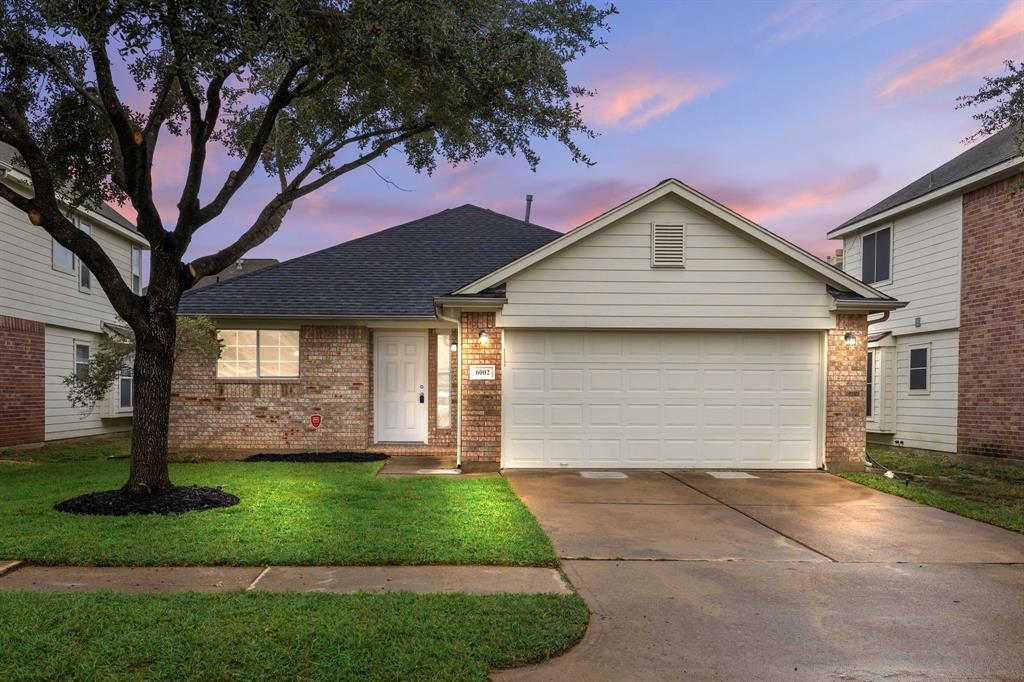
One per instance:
(337, 579)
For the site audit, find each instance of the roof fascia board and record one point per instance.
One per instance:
(342, 318)
(869, 306)
(986, 176)
(19, 178)
(708, 205)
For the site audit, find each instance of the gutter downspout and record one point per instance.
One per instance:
(458, 383)
(883, 318)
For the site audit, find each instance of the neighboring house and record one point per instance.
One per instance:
(946, 371)
(667, 332)
(241, 267)
(52, 314)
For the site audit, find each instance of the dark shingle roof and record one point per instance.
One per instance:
(7, 156)
(396, 272)
(241, 267)
(990, 152)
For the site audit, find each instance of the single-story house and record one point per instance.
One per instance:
(668, 332)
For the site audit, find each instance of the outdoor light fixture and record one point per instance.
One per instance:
(850, 338)
(455, 346)
(484, 339)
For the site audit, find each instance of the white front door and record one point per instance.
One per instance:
(400, 375)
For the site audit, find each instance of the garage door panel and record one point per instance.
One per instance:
(661, 399)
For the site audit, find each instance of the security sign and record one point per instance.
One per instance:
(315, 420)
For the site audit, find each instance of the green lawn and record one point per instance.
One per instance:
(289, 514)
(987, 492)
(256, 636)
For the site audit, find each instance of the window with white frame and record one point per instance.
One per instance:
(126, 385)
(136, 270)
(63, 259)
(919, 361)
(82, 351)
(84, 276)
(876, 256)
(444, 381)
(258, 354)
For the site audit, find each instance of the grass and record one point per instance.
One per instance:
(300, 514)
(255, 636)
(991, 493)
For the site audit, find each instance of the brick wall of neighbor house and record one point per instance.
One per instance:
(22, 386)
(267, 415)
(481, 400)
(991, 387)
(846, 395)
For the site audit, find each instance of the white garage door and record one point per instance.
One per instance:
(661, 399)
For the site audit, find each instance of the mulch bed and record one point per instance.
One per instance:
(175, 501)
(319, 457)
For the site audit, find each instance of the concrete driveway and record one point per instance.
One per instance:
(779, 577)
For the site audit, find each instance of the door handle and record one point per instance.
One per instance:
(421, 398)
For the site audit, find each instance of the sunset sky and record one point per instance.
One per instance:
(795, 114)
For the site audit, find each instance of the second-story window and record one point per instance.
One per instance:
(136, 270)
(876, 265)
(63, 259)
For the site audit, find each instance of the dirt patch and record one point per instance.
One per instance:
(319, 457)
(175, 501)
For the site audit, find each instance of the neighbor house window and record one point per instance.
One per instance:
(871, 380)
(84, 276)
(876, 256)
(258, 353)
(444, 382)
(63, 259)
(81, 360)
(136, 270)
(919, 368)
(126, 385)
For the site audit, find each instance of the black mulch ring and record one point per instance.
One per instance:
(174, 501)
(319, 457)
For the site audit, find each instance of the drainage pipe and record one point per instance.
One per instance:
(458, 381)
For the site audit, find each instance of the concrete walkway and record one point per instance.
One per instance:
(782, 576)
(335, 579)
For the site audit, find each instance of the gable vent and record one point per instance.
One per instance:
(668, 246)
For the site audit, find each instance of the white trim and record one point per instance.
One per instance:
(985, 177)
(424, 419)
(822, 397)
(673, 187)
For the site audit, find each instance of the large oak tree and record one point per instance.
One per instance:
(301, 90)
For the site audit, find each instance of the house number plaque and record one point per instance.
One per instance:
(481, 372)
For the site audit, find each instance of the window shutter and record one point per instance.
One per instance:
(668, 246)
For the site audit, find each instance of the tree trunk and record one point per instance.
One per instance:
(154, 368)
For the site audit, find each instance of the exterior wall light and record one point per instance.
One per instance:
(455, 346)
(484, 339)
(850, 338)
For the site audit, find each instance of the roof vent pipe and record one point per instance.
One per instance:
(529, 203)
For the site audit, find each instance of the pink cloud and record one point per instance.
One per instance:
(981, 53)
(782, 201)
(794, 20)
(636, 99)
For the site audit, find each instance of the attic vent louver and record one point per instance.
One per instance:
(668, 246)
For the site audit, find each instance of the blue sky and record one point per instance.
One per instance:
(796, 114)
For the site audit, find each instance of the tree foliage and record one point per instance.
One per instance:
(1003, 97)
(196, 335)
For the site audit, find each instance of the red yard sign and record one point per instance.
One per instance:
(315, 420)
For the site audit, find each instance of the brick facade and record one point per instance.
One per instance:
(264, 415)
(22, 381)
(846, 395)
(991, 374)
(481, 400)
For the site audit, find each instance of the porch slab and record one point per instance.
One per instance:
(130, 579)
(421, 579)
(412, 465)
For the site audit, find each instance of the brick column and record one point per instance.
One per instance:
(481, 399)
(22, 386)
(846, 395)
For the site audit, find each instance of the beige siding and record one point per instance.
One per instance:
(32, 289)
(927, 420)
(62, 419)
(925, 268)
(606, 281)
